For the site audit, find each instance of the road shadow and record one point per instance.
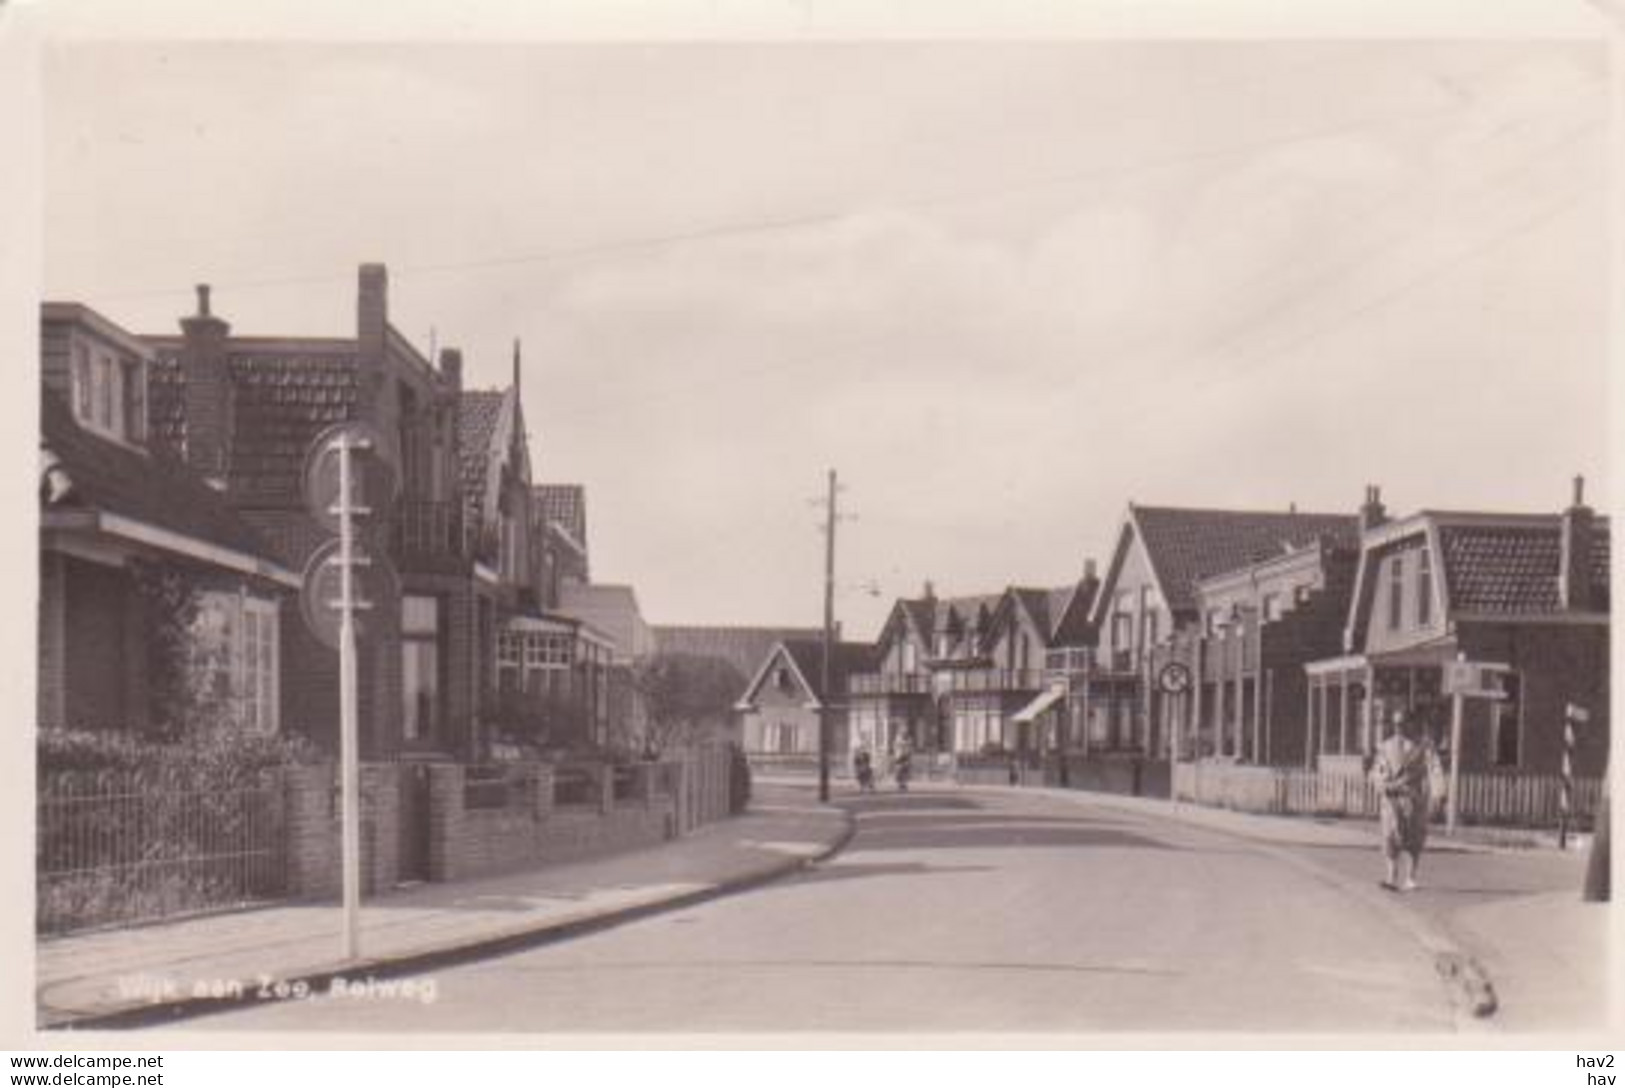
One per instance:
(863, 870)
(994, 836)
(908, 802)
(889, 820)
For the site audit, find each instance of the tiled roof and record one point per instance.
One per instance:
(743, 647)
(166, 404)
(1071, 617)
(1044, 605)
(1186, 545)
(1515, 568)
(281, 400)
(565, 505)
(847, 658)
(478, 412)
(151, 488)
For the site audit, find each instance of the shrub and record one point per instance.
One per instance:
(76, 761)
(131, 828)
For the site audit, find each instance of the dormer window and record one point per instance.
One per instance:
(109, 391)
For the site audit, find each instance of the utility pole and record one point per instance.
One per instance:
(829, 641)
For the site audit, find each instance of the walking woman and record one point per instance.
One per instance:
(1404, 771)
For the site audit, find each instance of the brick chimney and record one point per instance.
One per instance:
(451, 369)
(372, 335)
(1372, 512)
(1574, 583)
(206, 366)
(372, 308)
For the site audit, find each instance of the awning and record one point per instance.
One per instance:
(1040, 704)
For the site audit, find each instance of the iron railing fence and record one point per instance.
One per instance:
(117, 853)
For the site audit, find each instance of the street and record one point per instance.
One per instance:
(963, 911)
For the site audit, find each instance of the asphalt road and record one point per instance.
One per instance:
(960, 912)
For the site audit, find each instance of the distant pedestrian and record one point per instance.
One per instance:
(863, 768)
(1404, 770)
(902, 760)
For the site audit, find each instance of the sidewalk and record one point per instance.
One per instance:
(155, 973)
(1500, 911)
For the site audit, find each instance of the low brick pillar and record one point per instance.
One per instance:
(311, 815)
(446, 819)
(380, 827)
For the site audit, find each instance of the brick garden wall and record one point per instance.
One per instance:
(495, 824)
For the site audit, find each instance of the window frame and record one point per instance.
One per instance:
(252, 688)
(414, 639)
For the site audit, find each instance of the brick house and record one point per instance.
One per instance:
(1259, 626)
(132, 542)
(552, 679)
(781, 706)
(470, 620)
(243, 410)
(1180, 584)
(1530, 592)
(968, 674)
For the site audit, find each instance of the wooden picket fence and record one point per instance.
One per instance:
(1505, 798)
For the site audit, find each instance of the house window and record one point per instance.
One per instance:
(1396, 592)
(420, 667)
(911, 658)
(259, 665)
(1151, 628)
(1505, 717)
(234, 655)
(1215, 620)
(83, 383)
(782, 680)
(1271, 607)
(106, 384)
(1122, 632)
(1424, 587)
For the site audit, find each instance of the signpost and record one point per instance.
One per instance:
(1465, 680)
(346, 480)
(1174, 679)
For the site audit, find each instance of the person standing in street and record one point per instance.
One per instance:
(1404, 770)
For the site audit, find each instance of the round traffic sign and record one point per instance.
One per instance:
(1174, 678)
(373, 480)
(376, 587)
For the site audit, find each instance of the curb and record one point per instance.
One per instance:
(149, 1014)
(1469, 987)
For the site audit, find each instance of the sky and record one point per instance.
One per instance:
(1004, 289)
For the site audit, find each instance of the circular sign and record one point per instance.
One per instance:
(1174, 678)
(377, 593)
(373, 481)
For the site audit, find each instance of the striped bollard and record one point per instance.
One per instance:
(1574, 715)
